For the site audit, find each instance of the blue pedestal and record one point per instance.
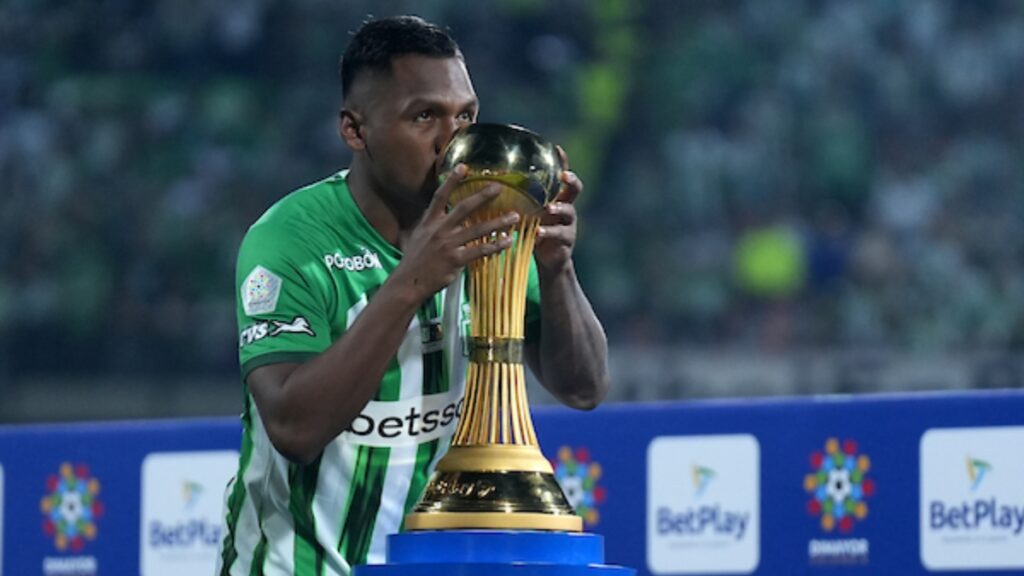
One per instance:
(494, 553)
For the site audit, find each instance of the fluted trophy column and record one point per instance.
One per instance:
(494, 475)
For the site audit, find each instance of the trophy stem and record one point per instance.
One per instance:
(494, 475)
(496, 409)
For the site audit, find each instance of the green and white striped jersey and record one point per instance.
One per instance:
(306, 269)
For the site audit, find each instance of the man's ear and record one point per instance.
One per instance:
(350, 129)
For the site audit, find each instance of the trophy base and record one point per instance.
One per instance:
(493, 488)
(509, 500)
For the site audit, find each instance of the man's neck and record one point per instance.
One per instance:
(381, 213)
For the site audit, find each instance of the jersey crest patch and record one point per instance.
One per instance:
(260, 291)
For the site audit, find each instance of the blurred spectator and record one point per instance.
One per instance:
(786, 174)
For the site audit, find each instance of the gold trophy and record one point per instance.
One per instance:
(494, 475)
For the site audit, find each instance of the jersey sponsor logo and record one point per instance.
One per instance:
(368, 260)
(260, 291)
(261, 330)
(405, 422)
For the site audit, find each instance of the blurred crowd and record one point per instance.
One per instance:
(777, 175)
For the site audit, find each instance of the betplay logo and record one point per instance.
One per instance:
(972, 517)
(703, 507)
(182, 501)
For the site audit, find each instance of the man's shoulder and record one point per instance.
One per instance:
(317, 200)
(296, 223)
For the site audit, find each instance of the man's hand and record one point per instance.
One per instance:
(557, 234)
(436, 250)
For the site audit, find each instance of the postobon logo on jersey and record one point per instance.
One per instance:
(366, 261)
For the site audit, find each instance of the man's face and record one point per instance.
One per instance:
(409, 117)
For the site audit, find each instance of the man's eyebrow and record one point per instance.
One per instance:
(427, 101)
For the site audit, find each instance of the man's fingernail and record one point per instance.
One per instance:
(461, 169)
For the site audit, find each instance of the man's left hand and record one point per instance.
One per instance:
(557, 234)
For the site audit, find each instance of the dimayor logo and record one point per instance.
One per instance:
(578, 477)
(71, 507)
(839, 487)
(973, 518)
(703, 504)
(976, 471)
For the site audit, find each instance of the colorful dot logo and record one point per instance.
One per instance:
(839, 486)
(71, 508)
(578, 477)
(260, 285)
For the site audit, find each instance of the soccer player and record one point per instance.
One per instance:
(352, 318)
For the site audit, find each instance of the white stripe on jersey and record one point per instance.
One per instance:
(410, 359)
(278, 527)
(336, 466)
(247, 527)
(453, 329)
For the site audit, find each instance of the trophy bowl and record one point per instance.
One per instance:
(507, 154)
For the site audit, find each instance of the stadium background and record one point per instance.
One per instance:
(783, 197)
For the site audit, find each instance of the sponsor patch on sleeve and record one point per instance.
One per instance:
(261, 330)
(260, 291)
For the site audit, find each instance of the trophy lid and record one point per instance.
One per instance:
(509, 154)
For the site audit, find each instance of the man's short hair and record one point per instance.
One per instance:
(377, 42)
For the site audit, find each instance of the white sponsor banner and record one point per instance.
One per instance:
(703, 504)
(972, 498)
(182, 509)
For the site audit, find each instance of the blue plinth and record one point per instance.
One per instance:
(494, 553)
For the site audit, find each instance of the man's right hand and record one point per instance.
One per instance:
(436, 250)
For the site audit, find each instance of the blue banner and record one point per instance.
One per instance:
(900, 484)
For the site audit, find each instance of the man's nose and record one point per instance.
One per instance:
(444, 135)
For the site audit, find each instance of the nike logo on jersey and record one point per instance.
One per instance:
(272, 328)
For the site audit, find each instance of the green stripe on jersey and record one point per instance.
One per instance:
(259, 556)
(364, 501)
(435, 369)
(309, 554)
(424, 456)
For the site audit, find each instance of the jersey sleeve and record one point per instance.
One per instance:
(282, 308)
